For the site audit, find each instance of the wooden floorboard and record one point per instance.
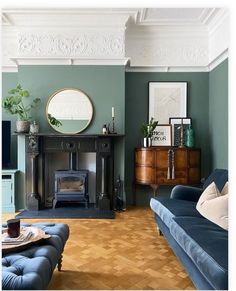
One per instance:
(125, 253)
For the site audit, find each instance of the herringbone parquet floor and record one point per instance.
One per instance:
(121, 254)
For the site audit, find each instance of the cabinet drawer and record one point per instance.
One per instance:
(162, 159)
(179, 156)
(194, 176)
(144, 175)
(178, 174)
(164, 180)
(194, 159)
(181, 174)
(180, 159)
(144, 157)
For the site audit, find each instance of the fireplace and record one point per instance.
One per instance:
(71, 186)
(44, 151)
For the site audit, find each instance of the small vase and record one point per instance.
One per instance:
(34, 128)
(22, 126)
(190, 138)
(147, 142)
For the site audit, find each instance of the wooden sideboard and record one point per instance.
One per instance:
(157, 166)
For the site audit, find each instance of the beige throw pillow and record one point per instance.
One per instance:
(225, 189)
(214, 206)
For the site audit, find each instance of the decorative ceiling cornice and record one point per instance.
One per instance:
(113, 36)
(93, 44)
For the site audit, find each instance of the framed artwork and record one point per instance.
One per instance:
(175, 123)
(167, 99)
(162, 135)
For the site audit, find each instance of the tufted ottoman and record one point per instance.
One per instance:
(33, 267)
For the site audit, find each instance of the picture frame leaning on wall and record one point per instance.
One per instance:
(175, 123)
(167, 99)
(162, 135)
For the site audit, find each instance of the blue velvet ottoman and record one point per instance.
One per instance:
(32, 268)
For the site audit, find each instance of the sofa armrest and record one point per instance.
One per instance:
(186, 193)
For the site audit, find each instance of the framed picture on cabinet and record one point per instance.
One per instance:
(162, 135)
(167, 99)
(176, 123)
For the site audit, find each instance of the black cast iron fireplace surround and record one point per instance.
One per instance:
(39, 145)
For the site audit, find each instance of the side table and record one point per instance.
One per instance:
(8, 190)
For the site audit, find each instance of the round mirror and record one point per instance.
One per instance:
(69, 111)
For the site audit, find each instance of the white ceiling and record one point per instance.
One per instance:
(177, 16)
(76, 17)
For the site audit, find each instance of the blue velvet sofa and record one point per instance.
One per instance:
(32, 268)
(200, 245)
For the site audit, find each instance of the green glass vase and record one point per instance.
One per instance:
(190, 137)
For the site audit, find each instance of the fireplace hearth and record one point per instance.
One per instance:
(71, 186)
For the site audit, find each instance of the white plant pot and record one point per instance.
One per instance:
(22, 126)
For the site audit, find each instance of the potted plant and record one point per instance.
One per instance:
(16, 104)
(148, 130)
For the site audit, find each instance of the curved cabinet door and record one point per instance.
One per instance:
(144, 170)
(144, 157)
(145, 175)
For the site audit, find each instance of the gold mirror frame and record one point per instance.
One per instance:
(53, 119)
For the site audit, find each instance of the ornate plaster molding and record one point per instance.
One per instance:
(168, 55)
(114, 40)
(88, 44)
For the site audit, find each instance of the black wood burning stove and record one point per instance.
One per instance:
(71, 185)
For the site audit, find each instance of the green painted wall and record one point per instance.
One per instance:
(218, 115)
(137, 113)
(109, 86)
(105, 85)
(9, 81)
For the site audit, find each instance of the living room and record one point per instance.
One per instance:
(110, 60)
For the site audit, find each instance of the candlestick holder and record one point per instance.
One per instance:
(113, 126)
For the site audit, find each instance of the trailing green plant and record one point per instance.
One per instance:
(54, 121)
(148, 129)
(15, 103)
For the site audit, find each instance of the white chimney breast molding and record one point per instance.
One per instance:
(96, 43)
(115, 37)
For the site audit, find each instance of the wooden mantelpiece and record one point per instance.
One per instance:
(39, 146)
(157, 166)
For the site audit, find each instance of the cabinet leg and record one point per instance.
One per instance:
(154, 189)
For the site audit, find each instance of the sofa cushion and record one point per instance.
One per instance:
(167, 208)
(213, 205)
(206, 244)
(225, 189)
(219, 176)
